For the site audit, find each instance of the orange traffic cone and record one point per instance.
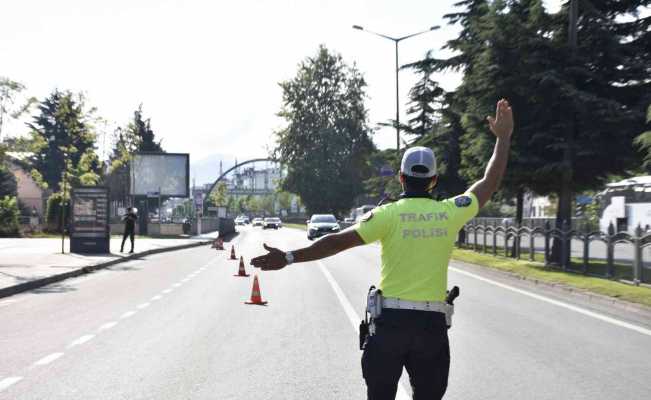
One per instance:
(256, 298)
(241, 271)
(233, 253)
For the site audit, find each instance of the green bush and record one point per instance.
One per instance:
(9, 213)
(53, 212)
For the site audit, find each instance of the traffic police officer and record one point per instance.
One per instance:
(417, 235)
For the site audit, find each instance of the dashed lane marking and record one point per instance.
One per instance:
(48, 359)
(157, 297)
(81, 340)
(166, 291)
(127, 314)
(177, 284)
(107, 326)
(143, 305)
(579, 310)
(352, 315)
(6, 382)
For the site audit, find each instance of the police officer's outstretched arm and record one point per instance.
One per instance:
(502, 126)
(325, 247)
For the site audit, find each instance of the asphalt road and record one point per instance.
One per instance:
(174, 326)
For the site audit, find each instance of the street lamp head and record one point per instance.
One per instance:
(359, 28)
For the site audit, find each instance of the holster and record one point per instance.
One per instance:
(373, 310)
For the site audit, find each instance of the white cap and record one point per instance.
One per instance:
(420, 157)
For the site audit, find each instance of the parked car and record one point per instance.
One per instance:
(321, 224)
(257, 222)
(241, 220)
(274, 223)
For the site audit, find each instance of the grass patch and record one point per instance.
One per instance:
(536, 270)
(597, 267)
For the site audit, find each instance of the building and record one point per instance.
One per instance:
(29, 193)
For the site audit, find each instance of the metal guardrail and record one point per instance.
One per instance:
(515, 234)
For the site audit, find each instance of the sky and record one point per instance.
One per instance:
(207, 72)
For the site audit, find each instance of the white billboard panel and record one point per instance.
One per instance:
(165, 172)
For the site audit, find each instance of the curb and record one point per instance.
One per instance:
(37, 283)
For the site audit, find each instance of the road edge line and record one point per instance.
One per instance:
(577, 309)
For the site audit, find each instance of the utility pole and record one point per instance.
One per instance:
(397, 40)
(565, 197)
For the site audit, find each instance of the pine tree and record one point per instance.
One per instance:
(62, 138)
(141, 130)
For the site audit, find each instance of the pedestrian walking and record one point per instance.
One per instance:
(129, 220)
(409, 313)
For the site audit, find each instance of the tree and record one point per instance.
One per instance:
(9, 213)
(7, 180)
(12, 103)
(62, 139)
(144, 136)
(219, 196)
(643, 141)
(326, 141)
(587, 104)
(425, 99)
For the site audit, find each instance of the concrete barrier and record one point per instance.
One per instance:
(211, 224)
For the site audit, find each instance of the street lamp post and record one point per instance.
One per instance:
(396, 41)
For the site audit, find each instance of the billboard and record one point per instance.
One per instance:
(164, 174)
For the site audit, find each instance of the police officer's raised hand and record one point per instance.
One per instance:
(271, 261)
(502, 124)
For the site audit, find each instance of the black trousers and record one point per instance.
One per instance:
(131, 233)
(416, 340)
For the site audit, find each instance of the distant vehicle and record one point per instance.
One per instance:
(360, 211)
(257, 222)
(270, 223)
(321, 224)
(349, 220)
(241, 220)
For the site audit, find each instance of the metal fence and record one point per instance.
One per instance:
(508, 240)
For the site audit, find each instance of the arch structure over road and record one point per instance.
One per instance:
(222, 176)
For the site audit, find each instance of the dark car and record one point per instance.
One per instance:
(321, 224)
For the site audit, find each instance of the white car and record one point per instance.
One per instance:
(321, 224)
(241, 220)
(257, 222)
(272, 223)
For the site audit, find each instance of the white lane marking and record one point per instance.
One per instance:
(157, 297)
(6, 382)
(166, 291)
(177, 285)
(107, 326)
(127, 314)
(185, 280)
(352, 316)
(579, 310)
(48, 359)
(143, 305)
(81, 340)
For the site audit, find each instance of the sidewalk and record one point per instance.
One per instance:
(33, 260)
